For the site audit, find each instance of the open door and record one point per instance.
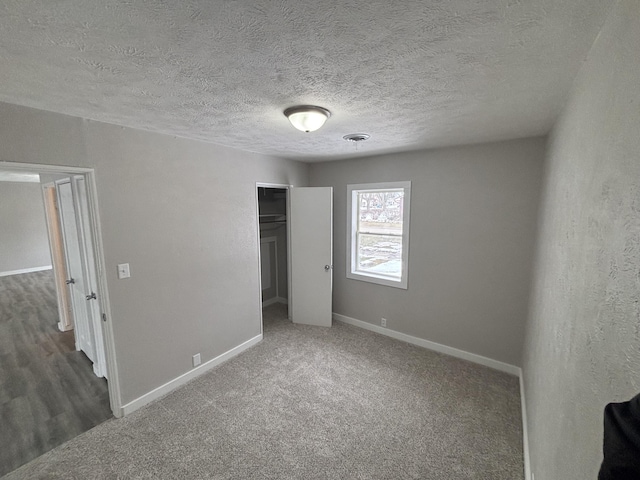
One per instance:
(73, 260)
(311, 231)
(80, 266)
(90, 275)
(56, 245)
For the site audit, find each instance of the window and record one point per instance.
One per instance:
(378, 227)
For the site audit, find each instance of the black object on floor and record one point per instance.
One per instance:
(621, 441)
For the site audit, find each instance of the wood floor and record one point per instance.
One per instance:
(48, 392)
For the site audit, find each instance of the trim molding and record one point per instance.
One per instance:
(62, 328)
(273, 300)
(41, 168)
(185, 377)
(25, 270)
(525, 430)
(436, 347)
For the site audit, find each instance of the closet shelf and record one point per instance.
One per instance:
(271, 226)
(272, 218)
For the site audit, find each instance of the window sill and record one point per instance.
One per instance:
(378, 280)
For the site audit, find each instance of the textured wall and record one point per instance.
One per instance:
(23, 233)
(183, 214)
(473, 219)
(583, 340)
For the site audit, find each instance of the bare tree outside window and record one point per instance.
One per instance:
(379, 232)
(378, 240)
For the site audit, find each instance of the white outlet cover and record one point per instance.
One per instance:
(196, 360)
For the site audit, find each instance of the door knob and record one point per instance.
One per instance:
(328, 267)
(92, 296)
(71, 280)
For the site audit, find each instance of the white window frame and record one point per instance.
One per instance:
(352, 225)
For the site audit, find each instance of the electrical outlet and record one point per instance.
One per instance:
(383, 322)
(196, 360)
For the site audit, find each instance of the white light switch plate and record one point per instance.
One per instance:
(123, 270)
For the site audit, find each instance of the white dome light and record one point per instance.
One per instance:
(307, 118)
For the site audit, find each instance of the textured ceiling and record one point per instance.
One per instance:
(412, 74)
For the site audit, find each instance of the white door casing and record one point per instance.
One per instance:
(311, 230)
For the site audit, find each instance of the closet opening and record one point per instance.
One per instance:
(273, 207)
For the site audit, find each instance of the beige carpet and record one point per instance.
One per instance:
(312, 403)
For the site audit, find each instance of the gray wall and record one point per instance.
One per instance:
(473, 220)
(23, 232)
(183, 214)
(583, 339)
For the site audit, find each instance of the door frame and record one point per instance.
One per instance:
(101, 275)
(288, 226)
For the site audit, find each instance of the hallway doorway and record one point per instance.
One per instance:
(51, 387)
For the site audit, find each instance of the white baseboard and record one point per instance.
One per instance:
(62, 328)
(184, 378)
(437, 347)
(273, 300)
(525, 431)
(25, 270)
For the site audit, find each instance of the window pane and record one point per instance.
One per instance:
(378, 242)
(380, 211)
(379, 254)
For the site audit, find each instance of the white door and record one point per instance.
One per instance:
(65, 312)
(75, 270)
(311, 230)
(90, 275)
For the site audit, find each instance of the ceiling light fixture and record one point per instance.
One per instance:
(307, 118)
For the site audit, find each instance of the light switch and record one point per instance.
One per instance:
(123, 271)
